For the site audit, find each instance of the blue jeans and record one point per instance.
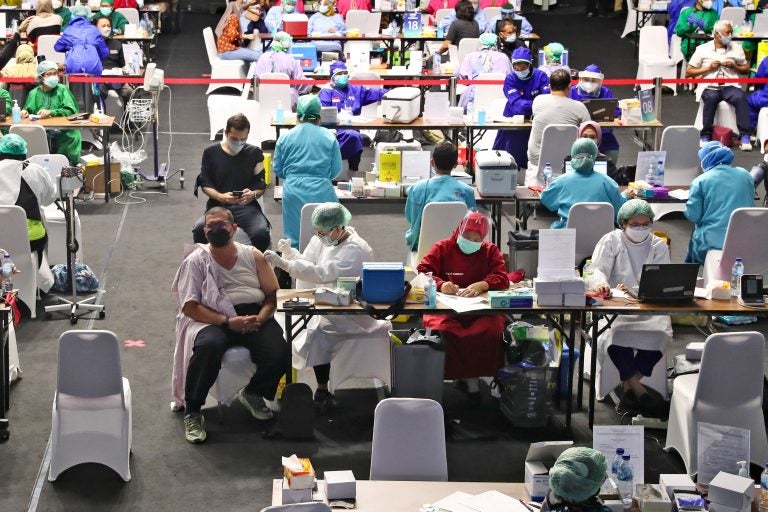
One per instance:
(245, 54)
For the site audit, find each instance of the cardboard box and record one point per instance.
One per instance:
(694, 350)
(94, 178)
(670, 483)
(731, 490)
(537, 462)
(652, 498)
(304, 479)
(510, 298)
(340, 485)
(549, 299)
(574, 299)
(291, 496)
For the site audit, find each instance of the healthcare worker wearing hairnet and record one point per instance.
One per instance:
(582, 185)
(487, 60)
(279, 60)
(713, 197)
(520, 87)
(338, 93)
(307, 158)
(335, 251)
(635, 343)
(274, 18)
(553, 59)
(575, 480)
(591, 87)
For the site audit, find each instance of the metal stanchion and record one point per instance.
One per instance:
(657, 108)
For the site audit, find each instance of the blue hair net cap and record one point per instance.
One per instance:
(583, 154)
(327, 216)
(522, 54)
(337, 65)
(634, 207)
(13, 145)
(714, 154)
(80, 10)
(578, 474)
(45, 67)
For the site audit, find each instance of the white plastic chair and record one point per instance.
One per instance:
(631, 22)
(45, 47)
(91, 420)
(736, 15)
(440, 14)
(35, 136)
(367, 22)
(654, 60)
(438, 221)
(762, 127)
(491, 12)
(736, 359)
(14, 238)
(608, 375)
(299, 507)
(760, 25)
(221, 68)
(236, 371)
(743, 239)
(223, 106)
(417, 456)
(725, 115)
(131, 14)
(681, 165)
(676, 52)
(591, 221)
(467, 46)
(556, 142)
(268, 97)
(306, 231)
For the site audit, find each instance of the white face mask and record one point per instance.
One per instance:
(637, 235)
(765, 157)
(328, 240)
(589, 87)
(105, 32)
(56, 4)
(707, 4)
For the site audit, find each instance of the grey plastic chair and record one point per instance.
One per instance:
(591, 221)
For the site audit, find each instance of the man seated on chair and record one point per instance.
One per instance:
(335, 251)
(107, 10)
(720, 58)
(508, 13)
(229, 176)
(441, 187)
(226, 293)
(52, 99)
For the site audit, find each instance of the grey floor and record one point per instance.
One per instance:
(135, 250)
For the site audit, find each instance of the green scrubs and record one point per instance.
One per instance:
(118, 21)
(65, 15)
(60, 102)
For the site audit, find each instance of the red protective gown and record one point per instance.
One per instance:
(435, 5)
(473, 342)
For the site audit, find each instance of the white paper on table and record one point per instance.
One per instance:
(455, 502)
(618, 294)
(606, 438)
(493, 501)
(679, 193)
(719, 448)
(361, 119)
(645, 159)
(557, 252)
(462, 304)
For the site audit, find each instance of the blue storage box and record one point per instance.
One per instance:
(306, 54)
(562, 383)
(382, 282)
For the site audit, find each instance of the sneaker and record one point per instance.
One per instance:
(194, 431)
(703, 140)
(255, 405)
(746, 144)
(324, 401)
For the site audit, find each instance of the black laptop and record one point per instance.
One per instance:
(671, 282)
(602, 110)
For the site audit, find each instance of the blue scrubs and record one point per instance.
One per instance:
(675, 7)
(274, 19)
(482, 24)
(608, 140)
(525, 26)
(759, 98)
(320, 23)
(307, 158)
(520, 95)
(438, 189)
(580, 187)
(712, 198)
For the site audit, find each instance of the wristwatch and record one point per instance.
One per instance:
(225, 323)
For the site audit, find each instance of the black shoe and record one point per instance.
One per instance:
(324, 401)
(653, 405)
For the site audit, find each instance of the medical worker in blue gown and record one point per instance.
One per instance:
(713, 197)
(327, 21)
(520, 87)
(341, 95)
(307, 158)
(591, 87)
(759, 98)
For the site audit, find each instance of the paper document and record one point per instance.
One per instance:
(618, 294)
(462, 304)
(557, 253)
(681, 194)
(493, 501)
(606, 439)
(719, 448)
(455, 502)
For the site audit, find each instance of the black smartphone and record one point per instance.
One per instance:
(237, 193)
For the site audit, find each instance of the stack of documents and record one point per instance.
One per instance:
(490, 501)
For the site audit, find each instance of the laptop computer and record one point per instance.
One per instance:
(601, 166)
(671, 282)
(602, 110)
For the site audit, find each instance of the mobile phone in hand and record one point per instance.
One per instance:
(237, 193)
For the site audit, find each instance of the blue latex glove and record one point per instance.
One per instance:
(701, 24)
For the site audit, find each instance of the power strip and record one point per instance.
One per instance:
(649, 422)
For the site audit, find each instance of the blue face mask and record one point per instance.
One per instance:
(105, 11)
(288, 8)
(523, 75)
(468, 246)
(726, 40)
(511, 39)
(341, 81)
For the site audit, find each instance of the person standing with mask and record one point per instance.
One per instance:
(107, 10)
(231, 178)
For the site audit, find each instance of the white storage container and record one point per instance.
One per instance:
(495, 173)
(401, 104)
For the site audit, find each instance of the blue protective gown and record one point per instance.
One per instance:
(525, 26)
(320, 23)
(675, 7)
(438, 189)
(759, 98)
(580, 187)
(482, 24)
(274, 19)
(608, 141)
(307, 158)
(712, 198)
(354, 97)
(520, 95)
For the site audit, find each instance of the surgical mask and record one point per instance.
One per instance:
(511, 39)
(341, 80)
(328, 240)
(765, 157)
(324, 9)
(51, 81)
(468, 246)
(589, 87)
(235, 145)
(105, 11)
(56, 4)
(218, 237)
(707, 4)
(105, 32)
(638, 235)
(288, 8)
(523, 75)
(726, 40)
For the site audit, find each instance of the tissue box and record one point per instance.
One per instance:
(340, 485)
(652, 498)
(304, 479)
(291, 496)
(540, 456)
(660, 192)
(549, 299)
(731, 491)
(671, 483)
(574, 299)
(693, 352)
(511, 298)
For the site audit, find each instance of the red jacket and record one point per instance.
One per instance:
(447, 263)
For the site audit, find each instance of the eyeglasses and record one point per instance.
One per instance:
(637, 226)
(215, 225)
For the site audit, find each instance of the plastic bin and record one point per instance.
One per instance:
(562, 383)
(524, 251)
(526, 394)
(417, 370)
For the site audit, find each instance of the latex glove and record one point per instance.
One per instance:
(289, 253)
(275, 260)
(701, 24)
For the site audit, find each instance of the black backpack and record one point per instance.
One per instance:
(297, 412)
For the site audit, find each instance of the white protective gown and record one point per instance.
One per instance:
(322, 340)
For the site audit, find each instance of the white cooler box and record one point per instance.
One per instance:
(495, 173)
(401, 104)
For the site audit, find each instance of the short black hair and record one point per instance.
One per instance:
(464, 10)
(445, 156)
(559, 80)
(219, 210)
(502, 24)
(238, 122)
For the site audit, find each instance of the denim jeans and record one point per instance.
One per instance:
(245, 54)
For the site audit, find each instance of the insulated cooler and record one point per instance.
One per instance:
(495, 173)
(401, 104)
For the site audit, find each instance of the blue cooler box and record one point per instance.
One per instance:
(383, 282)
(306, 54)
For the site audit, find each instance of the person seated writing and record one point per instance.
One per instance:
(227, 295)
(335, 251)
(575, 480)
(326, 21)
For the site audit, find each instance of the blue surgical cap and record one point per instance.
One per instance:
(714, 154)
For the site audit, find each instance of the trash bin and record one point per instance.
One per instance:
(524, 251)
(417, 366)
(562, 383)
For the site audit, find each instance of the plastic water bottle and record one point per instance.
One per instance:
(547, 174)
(440, 33)
(16, 112)
(650, 177)
(143, 25)
(763, 504)
(625, 477)
(136, 64)
(436, 60)
(14, 26)
(8, 267)
(409, 5)
(47, 166)
(737, 270)
(149, 24)
(659, 178)
(481, 115)
(280, 113)
(430, 293)
(619, 451)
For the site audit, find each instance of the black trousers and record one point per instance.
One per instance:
(249, 218)
(268, 349)
(732, 95)
(630, 361)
